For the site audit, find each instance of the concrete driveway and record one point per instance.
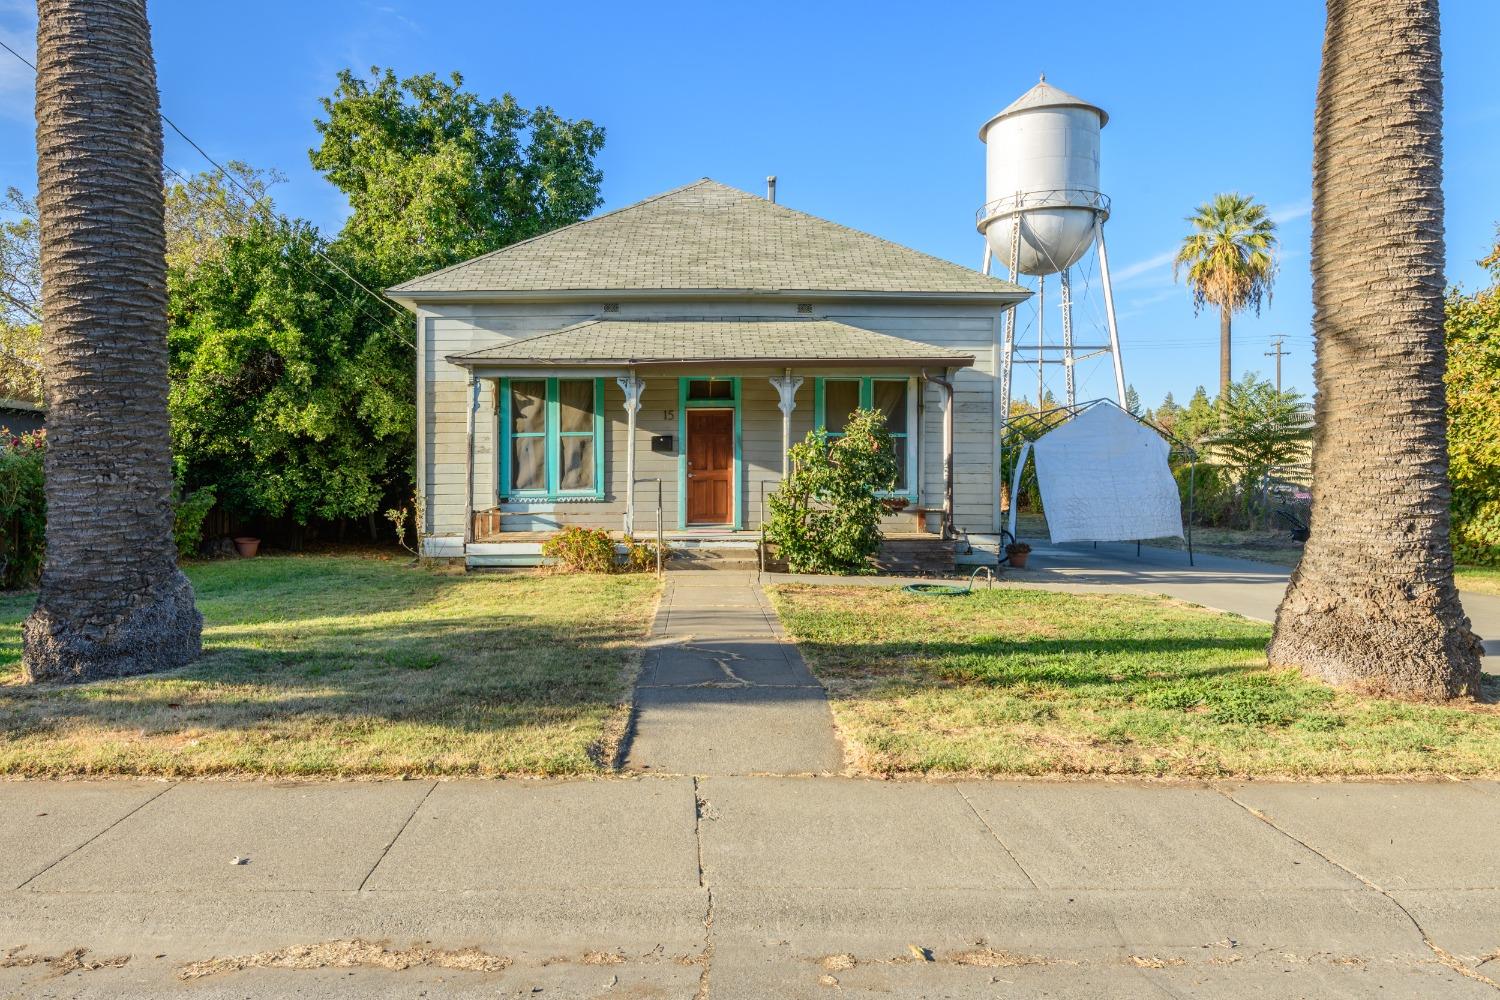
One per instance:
(748, 887)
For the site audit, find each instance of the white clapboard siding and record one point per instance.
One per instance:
(444, 402)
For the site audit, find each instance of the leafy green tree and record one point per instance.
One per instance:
(1167, 414)
(1230, 257)
(1132, 401)
(1261, 428)
(1473, 379)
(1199, 420)
(825, 516)
(20, 298)
(204, 210)
(291, 393)
(436, 174)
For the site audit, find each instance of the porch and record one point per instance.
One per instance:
(613, 424)
(901, 552)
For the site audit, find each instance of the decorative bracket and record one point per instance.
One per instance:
(632, 387)
(786, 387)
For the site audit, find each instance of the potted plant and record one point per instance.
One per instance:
(1017, 552)
(247, 546)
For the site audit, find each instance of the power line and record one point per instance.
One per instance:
(251, 195)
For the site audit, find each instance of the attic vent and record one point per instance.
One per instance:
(611, 307)
(804, 307)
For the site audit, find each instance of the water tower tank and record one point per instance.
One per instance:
(1042, 180)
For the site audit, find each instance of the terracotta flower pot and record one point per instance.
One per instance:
(1018, 559)
(247, 546)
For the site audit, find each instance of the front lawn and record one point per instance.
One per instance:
(1479, 579)
(1010, 681)
(341, 665)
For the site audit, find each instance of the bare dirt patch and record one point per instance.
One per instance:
(72, 960)
(349, 954)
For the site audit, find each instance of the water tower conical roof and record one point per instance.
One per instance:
(1044, 95)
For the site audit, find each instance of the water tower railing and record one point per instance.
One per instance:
(1031, 201)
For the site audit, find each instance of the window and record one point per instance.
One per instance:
(711, 388)
(551, 432)
(837, 398)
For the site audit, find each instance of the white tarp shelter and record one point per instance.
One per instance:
(1104, 477)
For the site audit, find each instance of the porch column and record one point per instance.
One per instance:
(469, 461)
(632, 387)
(786, 385)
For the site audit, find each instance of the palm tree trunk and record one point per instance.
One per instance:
(112, 599)
(1226, 372)
(1373, 604)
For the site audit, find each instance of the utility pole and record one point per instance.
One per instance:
(1278, 354)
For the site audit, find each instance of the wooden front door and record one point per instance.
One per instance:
(710, 466)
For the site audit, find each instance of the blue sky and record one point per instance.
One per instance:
(867, 112)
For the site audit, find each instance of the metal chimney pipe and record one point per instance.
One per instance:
(771, 189)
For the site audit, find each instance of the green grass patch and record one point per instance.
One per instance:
(1480, 579)
(341, 665)
(1009, 681)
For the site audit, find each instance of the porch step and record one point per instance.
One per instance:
(910, 555)
(732, 557)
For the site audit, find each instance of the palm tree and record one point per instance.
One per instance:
(1230, 258)
(1372, 604)
(112, 599)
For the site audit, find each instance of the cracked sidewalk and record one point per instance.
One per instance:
(739, 887)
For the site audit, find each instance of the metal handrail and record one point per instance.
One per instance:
(660, 539)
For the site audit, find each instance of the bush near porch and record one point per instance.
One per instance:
(346, 665)
(1011, 681)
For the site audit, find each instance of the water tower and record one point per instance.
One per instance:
(1043, 213)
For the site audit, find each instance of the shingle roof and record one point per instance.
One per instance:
(707, 236)
(665, 341)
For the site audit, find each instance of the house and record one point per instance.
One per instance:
(677, 346)
(22, 417)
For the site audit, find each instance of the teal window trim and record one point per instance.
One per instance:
(553, 435)
(683, 405)
(867, 401)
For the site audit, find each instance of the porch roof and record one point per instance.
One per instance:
(780, 341)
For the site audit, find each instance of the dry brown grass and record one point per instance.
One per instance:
(343, 666)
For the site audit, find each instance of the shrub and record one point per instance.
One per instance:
(825, 516)
(1214, 500)
(640, 557)
(188, 513)
(581, 550)
(23, 507)
(592, 550)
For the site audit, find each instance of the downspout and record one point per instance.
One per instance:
(947, 388)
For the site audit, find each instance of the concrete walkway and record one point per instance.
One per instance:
(723, 691)
(701, 889)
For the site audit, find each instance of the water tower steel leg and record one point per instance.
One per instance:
(1007, 358)
(1041, 340)
(1008, 345)
(989, 254)
(1067, 322)
(1109, 315)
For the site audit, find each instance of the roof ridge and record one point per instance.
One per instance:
(560, 229)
